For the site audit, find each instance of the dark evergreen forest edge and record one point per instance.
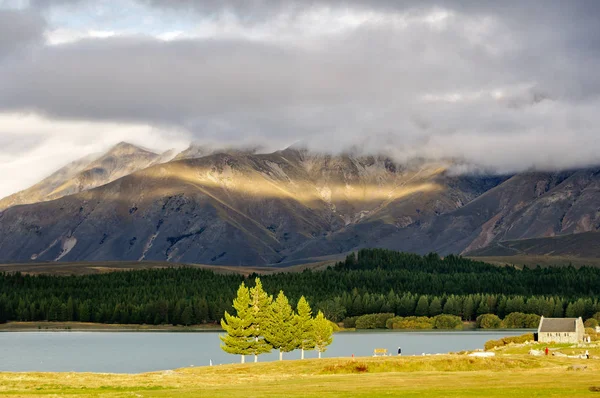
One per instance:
(374, 281)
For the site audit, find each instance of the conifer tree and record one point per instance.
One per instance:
(435, 307)
(186, 316)
(280, 331)
(452, 306)
(239, 339)
(406, 306)
(559, 310)
(305, 328)
(260, 309)
(422, 308)
(468, 309)
(483, 308)
(323, 333)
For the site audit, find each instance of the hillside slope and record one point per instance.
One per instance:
(290, 206)
(586, 245)
(227, 209)
(525, 206)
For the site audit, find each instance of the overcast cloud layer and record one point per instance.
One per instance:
(505, 85)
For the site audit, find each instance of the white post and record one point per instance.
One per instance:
(243, 359)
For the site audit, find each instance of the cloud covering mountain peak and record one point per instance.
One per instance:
(510, 86)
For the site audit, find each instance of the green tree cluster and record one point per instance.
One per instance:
(373, 321)
(442, 321)
(261, 324)
(518, 320)
(591, 323)
(488, 321)
(368, 282)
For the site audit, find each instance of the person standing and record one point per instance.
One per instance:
(399, 351)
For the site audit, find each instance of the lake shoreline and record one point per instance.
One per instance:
(102, 327)
(138, 352)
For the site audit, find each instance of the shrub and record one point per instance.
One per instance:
(381, 319)
(350, 322)
(514, 320)
(373, 321)
(443, 321)
(532, 321)
(447, 322)
(517, 320)
(410, 322)
(334, 326)
(389, 324)
(591, 323)
(366, 322)
(507, 340)
(488, 321)
(594, 336)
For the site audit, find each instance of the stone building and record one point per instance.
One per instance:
(561, 330)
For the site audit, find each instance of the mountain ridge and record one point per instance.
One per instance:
(86, 173)
(243, 208)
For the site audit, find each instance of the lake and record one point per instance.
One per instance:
(136, 352)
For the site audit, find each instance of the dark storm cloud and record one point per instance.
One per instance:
(507, 84)
(19, 29)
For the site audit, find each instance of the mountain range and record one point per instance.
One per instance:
(241, 207)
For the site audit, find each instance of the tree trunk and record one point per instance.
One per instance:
(302, 357)
(319, 354)
(256, 355)
(280, 355)
(243, 359)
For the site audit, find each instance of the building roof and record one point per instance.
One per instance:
(549, 325)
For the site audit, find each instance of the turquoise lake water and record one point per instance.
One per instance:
(136, 352)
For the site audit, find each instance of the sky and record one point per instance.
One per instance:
(504, 85)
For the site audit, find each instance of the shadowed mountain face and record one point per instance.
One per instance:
(245, 208)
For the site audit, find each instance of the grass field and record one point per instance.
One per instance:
(512, 373)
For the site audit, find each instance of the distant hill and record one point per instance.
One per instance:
(291, 206)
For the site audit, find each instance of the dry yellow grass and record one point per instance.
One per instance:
(436, 376)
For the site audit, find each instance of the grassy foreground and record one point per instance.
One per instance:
(507, 375)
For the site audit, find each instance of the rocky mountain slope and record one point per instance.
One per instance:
(87, 173)
(245, 208)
